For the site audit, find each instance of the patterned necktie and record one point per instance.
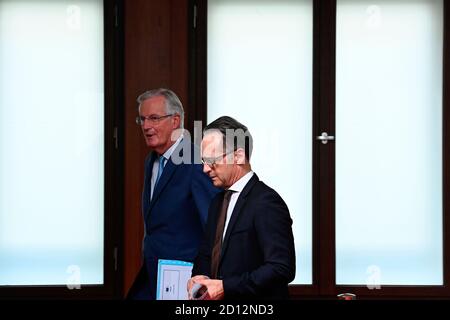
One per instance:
(217, 248)
(160, 169)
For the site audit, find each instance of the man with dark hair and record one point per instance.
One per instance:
(248, 248)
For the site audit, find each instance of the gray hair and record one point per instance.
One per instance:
(173, 103)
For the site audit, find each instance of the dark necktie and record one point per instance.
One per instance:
(217, 248)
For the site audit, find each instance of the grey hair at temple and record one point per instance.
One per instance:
(173, 103)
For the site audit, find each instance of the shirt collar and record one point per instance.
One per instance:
(169, 151)
(239, 185)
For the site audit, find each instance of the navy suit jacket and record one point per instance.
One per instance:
(175, 217)
(258, 255)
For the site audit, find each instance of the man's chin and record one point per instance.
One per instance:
(151, 144)
(217, 183)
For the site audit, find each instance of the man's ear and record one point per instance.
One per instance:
(239, 155)
(176, 120)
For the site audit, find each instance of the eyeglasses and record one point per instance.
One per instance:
(210, 162)
(153, 118)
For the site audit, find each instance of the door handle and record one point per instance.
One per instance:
(324, 137)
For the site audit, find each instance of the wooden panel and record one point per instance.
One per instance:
(446, 146)
(155, 56)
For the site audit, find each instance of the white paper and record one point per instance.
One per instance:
(173, 276)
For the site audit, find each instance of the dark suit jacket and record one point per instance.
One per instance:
(258, 254)
(175, 218)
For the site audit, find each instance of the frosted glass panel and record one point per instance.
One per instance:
(51, 142)
(260, 72)
(389, 142)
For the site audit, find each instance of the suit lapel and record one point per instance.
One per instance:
(148, 182)
(237, 211)
(168, 172)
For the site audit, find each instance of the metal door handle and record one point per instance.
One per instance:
(324, 137)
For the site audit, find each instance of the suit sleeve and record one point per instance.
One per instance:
(203, 191)
(145, 199)
(273, 226)
(202, 263)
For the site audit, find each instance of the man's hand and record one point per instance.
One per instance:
(215, 288)
(191, 282)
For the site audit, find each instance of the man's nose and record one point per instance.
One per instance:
(206, 168)
(147, 125)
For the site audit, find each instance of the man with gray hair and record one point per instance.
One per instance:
(176, 193)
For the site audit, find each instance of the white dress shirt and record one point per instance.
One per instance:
(167, 156)
(237, 187)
